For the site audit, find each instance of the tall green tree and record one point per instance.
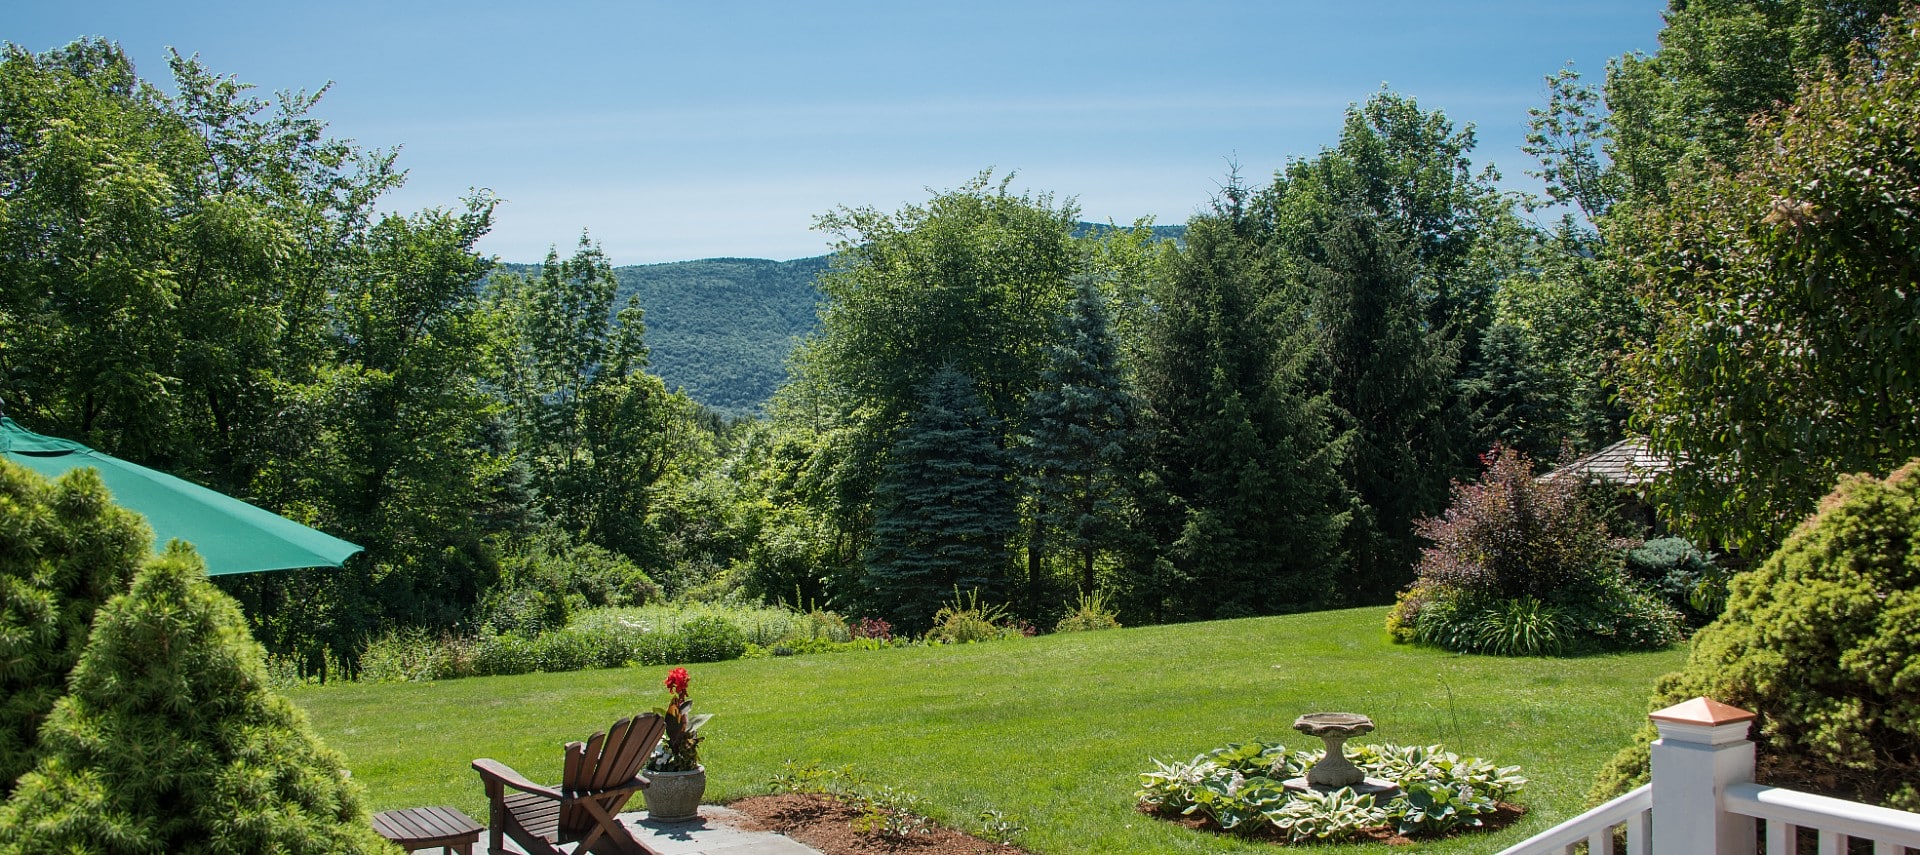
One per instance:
(596, 431)
(1081, 451)
(1248, 507)
(1573, 312)
(1391, 376)
(944, 509)
(1655, 120)
(65, 548)
(165, 260)
(1720, 63)
(1397, 247)
(1786, 350)
(391, 444)
(171, 741)
(972, 280)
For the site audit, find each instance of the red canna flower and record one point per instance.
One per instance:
(677, 682)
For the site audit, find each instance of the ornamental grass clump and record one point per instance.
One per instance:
(1521, 566)
(1823, 642)
(170, 738)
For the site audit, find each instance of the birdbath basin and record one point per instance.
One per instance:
(1335, 771)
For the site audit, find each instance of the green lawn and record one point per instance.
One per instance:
(1050, 730)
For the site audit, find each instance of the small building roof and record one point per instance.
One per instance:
(1629, 463)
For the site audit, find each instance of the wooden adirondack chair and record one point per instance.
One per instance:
(599, 776)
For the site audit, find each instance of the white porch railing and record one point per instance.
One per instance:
(1595, 828)
(1834, 821)
(1703, 802)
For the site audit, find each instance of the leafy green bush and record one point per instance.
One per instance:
(712, 639)
(1239, 787)
(551, 577)
(525, 612)
(1524, 567)
(410, 655)
(759, 624)
(1821, 641)
(413, 656)
(1520, 627)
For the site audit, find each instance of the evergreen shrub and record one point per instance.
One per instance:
(65, 548)
(1522, 567)
(170, 740)
(1823, 642)
(1683, 574)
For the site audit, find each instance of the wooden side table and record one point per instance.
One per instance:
(422, 828)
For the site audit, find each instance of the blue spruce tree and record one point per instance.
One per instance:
(943, 509)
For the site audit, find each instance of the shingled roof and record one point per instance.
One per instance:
(1629, 463)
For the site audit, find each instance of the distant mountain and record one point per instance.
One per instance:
(721, 328)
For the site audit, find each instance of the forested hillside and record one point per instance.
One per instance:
(720, 329)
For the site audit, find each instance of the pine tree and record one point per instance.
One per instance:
(65, 548)
(1515, 401)
(1390, 374)
(171, 741)
(944, 507)
(1080, 442)
(1241, 445)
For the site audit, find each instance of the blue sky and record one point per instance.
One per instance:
(693, 129)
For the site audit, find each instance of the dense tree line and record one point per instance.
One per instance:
(201, 282)
(997, 400)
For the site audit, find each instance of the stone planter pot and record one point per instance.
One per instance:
(675, 796)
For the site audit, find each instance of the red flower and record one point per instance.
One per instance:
(677, 682)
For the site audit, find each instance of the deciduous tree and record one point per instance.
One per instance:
(1786, 349)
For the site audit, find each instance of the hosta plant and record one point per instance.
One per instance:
(1239, 788)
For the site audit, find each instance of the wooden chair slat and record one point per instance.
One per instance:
(641, 739)
(576, 758)
(598, 780)
(589, 761)
(603, 763)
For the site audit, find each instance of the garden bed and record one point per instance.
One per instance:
(828, 824)
(1505, 814)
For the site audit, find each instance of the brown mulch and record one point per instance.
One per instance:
(826, 824)
(1503, 815)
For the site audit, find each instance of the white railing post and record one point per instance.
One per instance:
(1702, 750)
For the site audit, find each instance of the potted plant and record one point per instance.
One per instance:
(678, 779)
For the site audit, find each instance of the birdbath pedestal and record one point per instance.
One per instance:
(1335, 771)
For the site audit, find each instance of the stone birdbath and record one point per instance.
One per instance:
(1335, 771)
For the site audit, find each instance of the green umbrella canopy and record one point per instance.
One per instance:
(231, 535)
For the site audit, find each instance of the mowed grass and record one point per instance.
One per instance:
(1052, 731)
